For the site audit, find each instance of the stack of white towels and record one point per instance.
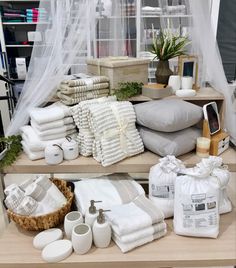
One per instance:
(34, 197)
(48, 125)
(80, 113)
(107, 130)
(135, 220)
(76, 88)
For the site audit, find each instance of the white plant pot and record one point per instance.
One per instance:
(82, 238)
(72, 219)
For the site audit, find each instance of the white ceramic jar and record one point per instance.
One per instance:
(82, 238)
(53, 154)
(70, 149)
(174, 82)
(72, 219)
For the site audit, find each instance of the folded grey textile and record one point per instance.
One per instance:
(85, 81)
(125, 247)
(77, 97)
(64, 89)
(168, 115)
(116, 136)
(173, 143)
(80, 111)
(53, 124)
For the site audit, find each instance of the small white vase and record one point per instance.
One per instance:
(82, 238)
(187, 82)
(174, 82)
(72, 219)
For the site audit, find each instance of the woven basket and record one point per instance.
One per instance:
(37, 223)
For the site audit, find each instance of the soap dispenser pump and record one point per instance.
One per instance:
(101, 230)
(92, 213)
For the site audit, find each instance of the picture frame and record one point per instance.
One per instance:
(188, 66)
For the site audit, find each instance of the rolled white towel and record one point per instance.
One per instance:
(138, 214)
(32, 155)
(51, 125)
(50, 113)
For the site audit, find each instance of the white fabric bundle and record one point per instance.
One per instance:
(214, 164)
(80, 114)
(54, 112)
(161, 183)
(111, 190)
(196, 206)
(136, 223)
(32, 155)
(51, 125)
(116, 136)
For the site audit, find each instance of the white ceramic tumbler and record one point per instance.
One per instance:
(186, 82)
(174, 82)
(82, 238)
(72, 219)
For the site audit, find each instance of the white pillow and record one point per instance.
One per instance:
(168, 115)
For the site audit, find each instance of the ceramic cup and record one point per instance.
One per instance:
(72, 219)
(82, 238)
(203, 146)
(186, 82)
(174, 82)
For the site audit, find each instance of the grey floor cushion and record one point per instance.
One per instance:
(168, 115)
(174, 143)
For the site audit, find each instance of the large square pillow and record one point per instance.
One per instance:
(173, 143)
(168, 115)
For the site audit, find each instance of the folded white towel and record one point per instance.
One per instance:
(50, 113)
(34, 143)
(54, 131)
(125, 247)
(111, 190)
(142, 233)
(53, 124)
(32, 155)
(58, 135)
(131, 217)
(14, 198)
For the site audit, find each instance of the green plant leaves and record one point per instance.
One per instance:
(127, 90)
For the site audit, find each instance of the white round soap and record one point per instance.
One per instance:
(57, 251)
(185, 92)
(46, 237)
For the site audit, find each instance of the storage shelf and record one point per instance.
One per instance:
(20, 46)
(166, 16)
(24, 23)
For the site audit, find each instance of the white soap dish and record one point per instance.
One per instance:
(185, 93)
(46, 237)
(57, 251)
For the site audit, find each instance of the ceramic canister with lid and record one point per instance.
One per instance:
(53, 154)
(70, 149)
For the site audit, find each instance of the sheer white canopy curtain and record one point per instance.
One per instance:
(69, 36)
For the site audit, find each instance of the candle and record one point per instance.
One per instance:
(203, 146)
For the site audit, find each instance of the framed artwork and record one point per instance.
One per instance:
(188, 66)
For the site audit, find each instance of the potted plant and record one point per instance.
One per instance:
(166, 46)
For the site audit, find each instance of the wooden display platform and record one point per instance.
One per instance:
(136, 164)
(171, 251)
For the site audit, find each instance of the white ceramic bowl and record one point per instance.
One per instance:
(185, 93)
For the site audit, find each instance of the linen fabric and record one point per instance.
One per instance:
(84, 80)
(116, 137)
(168, 115)
(172, 143)
(161, 183)
(67, 90)
(111, 190)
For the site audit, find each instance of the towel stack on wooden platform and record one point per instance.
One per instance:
(48, 125)
(82, 87)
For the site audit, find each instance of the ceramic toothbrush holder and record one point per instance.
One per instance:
(82, 238)
(72, 219)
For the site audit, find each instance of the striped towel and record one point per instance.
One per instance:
(116, 136)
(81, 96)
(89, 80)
(80, 114)
(67, 90)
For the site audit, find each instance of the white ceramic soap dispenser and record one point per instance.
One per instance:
(92, 213)
(101, 230)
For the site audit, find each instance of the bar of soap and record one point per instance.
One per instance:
(46, 237)
(57, 251)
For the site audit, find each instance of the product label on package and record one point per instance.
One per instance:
(200, 211)
(163, 191)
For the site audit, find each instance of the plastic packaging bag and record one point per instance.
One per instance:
(161, 183)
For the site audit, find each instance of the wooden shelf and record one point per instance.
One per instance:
(136, 164)
(24, 23)
(170, 251)
(19, 46)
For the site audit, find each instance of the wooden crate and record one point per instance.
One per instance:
(120, 69)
